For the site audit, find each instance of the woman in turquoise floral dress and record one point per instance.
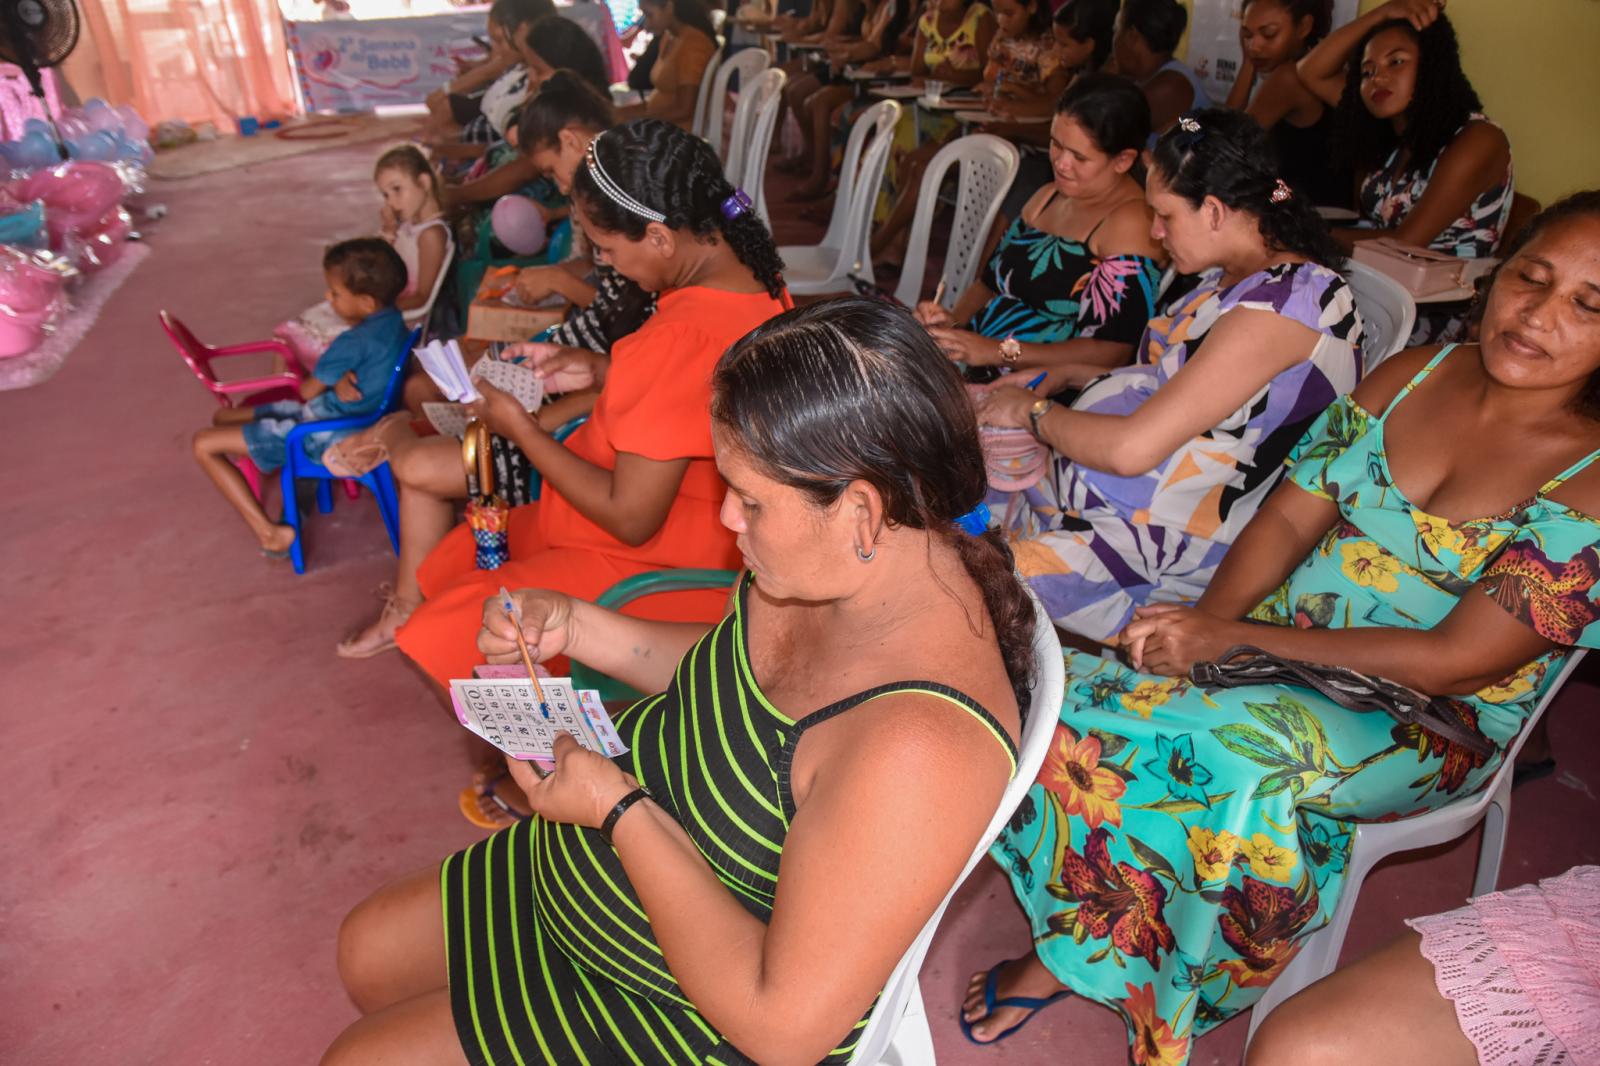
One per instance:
(1180, 844)
(1075, 278)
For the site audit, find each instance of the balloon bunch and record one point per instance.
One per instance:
(95, 132)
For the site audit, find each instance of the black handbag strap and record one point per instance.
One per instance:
(1244, 664)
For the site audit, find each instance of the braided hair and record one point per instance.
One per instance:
(670, 170)
(1228, 156)
(1442, 101)
(853, 389)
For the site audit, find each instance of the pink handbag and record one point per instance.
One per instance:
(1421, 271)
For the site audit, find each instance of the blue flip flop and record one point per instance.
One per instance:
(991, 1001)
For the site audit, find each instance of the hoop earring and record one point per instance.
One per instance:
(866, 557)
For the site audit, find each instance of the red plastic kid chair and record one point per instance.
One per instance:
(242, 392)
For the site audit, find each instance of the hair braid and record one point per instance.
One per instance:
(676, 173)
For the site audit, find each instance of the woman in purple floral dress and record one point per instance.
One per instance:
(1180, 844)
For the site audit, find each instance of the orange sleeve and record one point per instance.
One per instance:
(658, 401)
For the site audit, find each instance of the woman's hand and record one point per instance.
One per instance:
(931, 314)
(581, 790)
(1420, 13)
(536, 282)
(1166, 638)
(1004, 405)
(562, 369)
(547, 626)
(966, 346)
(500, 411)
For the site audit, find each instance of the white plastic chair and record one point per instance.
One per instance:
(988, 165)
(766, 96)
(1387, 313)
(747, 64)
(898, 1032)
(845, 249)
(1372, 842)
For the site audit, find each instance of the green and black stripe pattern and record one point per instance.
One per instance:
(552, 959)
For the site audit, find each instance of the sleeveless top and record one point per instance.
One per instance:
(1388, 562)
(1389, 193)
(1051, 288)
(717, 755)
(1306, 161)
(406, 236)
(960, 48)
(1027, 61)
(1213, 483)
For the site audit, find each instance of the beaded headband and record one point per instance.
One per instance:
(614, 191)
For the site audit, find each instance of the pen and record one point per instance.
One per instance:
(1034, 384)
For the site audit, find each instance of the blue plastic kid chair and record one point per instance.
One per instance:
(379, 480)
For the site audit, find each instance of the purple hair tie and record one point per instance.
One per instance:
(736, 205)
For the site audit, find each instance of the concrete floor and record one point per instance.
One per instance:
(193, 789)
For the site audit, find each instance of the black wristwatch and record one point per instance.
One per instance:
(619, 810)
(1037, 412)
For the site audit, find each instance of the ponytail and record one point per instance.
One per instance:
(676, 175)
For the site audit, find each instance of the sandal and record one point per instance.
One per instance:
(362, 451)
(992, 1001)
(470, 802)
(375, 642)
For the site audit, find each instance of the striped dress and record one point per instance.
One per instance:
(551, 956)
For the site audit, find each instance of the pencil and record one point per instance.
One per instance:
(515, 614)
(938, 294)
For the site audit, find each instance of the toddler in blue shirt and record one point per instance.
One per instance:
(365, 277)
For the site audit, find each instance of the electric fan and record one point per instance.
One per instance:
(35, 34)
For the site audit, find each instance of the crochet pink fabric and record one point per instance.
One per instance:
(1523, 970)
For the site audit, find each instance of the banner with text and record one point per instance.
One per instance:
(358, 65)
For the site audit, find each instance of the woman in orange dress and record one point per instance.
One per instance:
(635, 488)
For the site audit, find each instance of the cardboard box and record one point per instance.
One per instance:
(490, 318)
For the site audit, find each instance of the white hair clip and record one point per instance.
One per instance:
(1188, 125)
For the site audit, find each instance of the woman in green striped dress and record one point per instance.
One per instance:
(799, 795)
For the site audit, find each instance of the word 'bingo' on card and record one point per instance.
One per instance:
(505, 712)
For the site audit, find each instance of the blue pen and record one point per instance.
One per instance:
(1034, 384)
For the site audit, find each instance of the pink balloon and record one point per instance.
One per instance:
(134, 127)
(518, 224)
(104, 243)
(17, 338)
(75, 195)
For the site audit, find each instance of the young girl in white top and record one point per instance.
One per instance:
(411, 219)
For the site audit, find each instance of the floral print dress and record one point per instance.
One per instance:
(1094, 545)
(1049, 288)
(1387, 196)
(1180, 845)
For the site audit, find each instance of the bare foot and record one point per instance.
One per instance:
(1026, 977)
(378, 637)
(279, 540)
